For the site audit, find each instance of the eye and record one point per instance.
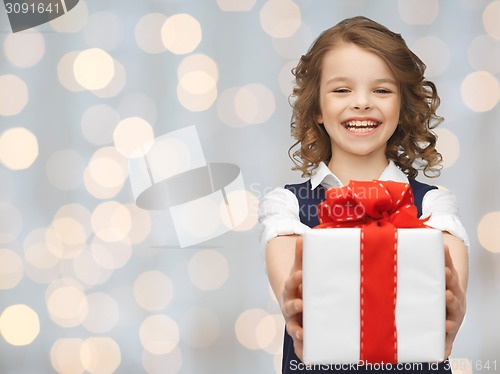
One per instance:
(382, 91)
(341, 90)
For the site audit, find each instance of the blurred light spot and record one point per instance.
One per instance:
(18, 148)
(116, 84)
(111, 255)
(484, 53)
(11, 269)
(103, 314)
(133, 137)
(196, 102)
(197, 83)
(160, 364)
(280, 18)
(226, 109)
(278, 362)
(69, 230)
(148, 33)
(480, 91)
(41, 264)
(236, 6)
(93, 68)
(7, 188)
(100, 355)
(106, 173)
(159, 334)
(181, 33)
(461, 365)
(89, 271)
(448, 145)
(98, 124)
(73, 21)
(65, 356)
(67, 306)
(72, 224)
(138, 105)
(36, 252)
(254, 103)
(42, 275)
(103, 30)
(11, 222)
(24, 49)
(58, 247)
(197, 89)
(201, 219)
(13, 95)
(199, 327)
(111, 221)
(65, 72)
(153, 290)
(246, 327)
(418, 12)
(488, 232)
(208, 270)
(19, 325)
(269, 333)
(244, 208)
(198, 62)
(491, 15)
(286, 78)
(141, 224)
(300, 41)
(64, 169)
(434, 52)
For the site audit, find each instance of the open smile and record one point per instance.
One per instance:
(361, 127)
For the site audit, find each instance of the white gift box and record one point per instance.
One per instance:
(331, 294)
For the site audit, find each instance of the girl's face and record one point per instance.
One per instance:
(359, 101)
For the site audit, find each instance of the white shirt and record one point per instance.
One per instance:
(279, 209)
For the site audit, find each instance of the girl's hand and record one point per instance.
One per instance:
(292, 301)
(455, 302)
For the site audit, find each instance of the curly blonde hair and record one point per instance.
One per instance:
(412, 147)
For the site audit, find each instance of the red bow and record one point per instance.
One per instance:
(361, 203)
(379, 208)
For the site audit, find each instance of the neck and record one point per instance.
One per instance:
(357, 168)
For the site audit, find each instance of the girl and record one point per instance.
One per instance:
(363, 110)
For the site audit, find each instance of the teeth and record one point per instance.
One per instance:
(360, 126)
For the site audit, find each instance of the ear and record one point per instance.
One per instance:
(319, 119)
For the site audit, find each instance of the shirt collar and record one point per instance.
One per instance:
(327, 179)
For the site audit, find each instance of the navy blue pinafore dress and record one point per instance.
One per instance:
(308, 200)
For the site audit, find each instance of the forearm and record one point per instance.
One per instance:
(460, 258)
(280, 254)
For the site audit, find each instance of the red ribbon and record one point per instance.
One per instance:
(379, 209)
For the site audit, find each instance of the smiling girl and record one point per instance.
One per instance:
(363, 110)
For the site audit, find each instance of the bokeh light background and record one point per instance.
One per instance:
(90, 283)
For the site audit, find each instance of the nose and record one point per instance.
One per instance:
(361, 101)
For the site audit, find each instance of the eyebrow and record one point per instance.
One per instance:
(378, 80)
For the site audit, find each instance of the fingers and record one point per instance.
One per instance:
(293, 285)
(452, 280)
(292, 308)
(295, 330)
(297, 345)
(292, 298)
(452, 302)
(298, 252)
